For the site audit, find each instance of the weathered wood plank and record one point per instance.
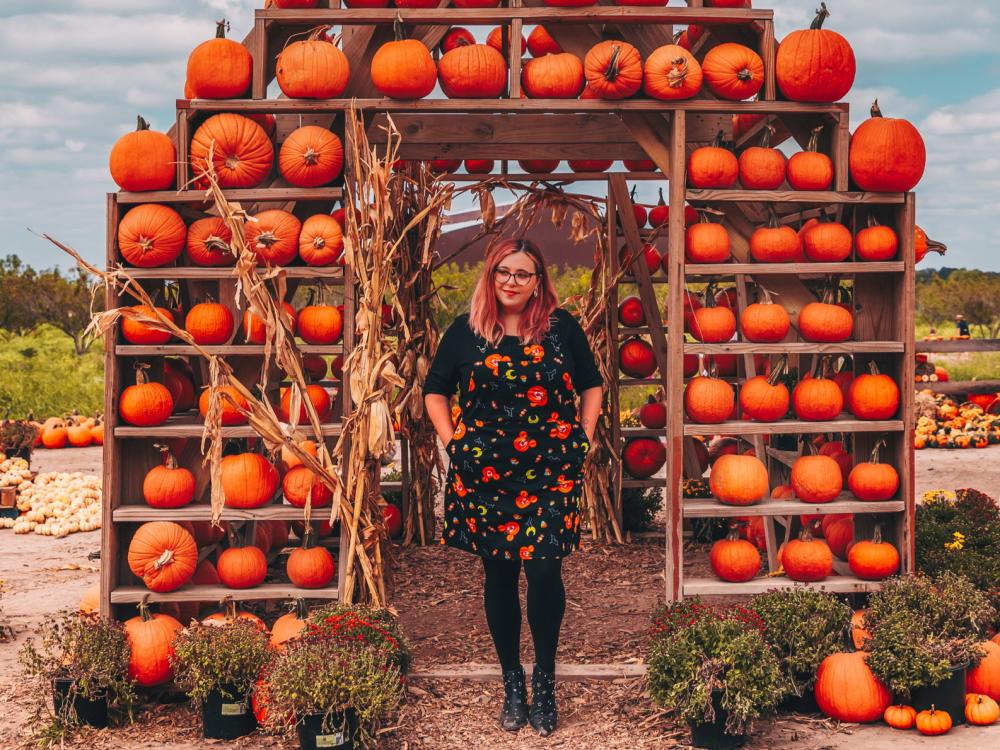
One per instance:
(959, 345)
(794, 426)
(135, 594)
(599, 14)
(834, 584)
(844, 503)
(491, 672)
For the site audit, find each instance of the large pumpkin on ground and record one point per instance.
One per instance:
(847, 690)
(984, 678)
(151, 646)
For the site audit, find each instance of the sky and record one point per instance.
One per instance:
(74, 74)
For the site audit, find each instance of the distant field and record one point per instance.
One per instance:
(40, 373)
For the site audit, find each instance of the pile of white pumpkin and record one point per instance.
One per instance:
(58, 504)
(14, 472)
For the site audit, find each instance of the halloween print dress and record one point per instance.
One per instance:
(514, 479)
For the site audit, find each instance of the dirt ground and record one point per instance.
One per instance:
(610, 594)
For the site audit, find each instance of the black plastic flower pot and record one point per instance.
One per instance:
(802, 704)
(90, 711)
(948, 695)
(712, 735)
(226, 718)
(336, 733)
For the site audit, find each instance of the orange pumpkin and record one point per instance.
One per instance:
(815, 64)
(810, 169)
(933, 722)
(613, 69)
(137, 332)
(733, 71)
(708, 400)
(984, 678)
(230, 403)
(168, 485)
(302, 484)
(981, 710)
(847, 690)
(473, 71)
(210, 323)
(316, 394)
(775, 243)
(495, 39)
(733, 559)
(816, 479)
(208, 243)
(320, 324)
(874, 560)
(762, 167)
(765, 321)
(145, 404)
(151, 646)
(887, 154)
(671, 72)
(242, 153)
(403, 69)
(873, 395)
(872, 480)
(242, 567)
(556, 76)
(807, 559)
(143, 160)
(706, 242)
(738, 480)
(765, 398)
(151, 235)
(540, 42)
(163, 554)
(255, 329)
(876, 242)
(310, 567)
(827, 242)
(312, 68)
(311, 156)
(273, 236)
(900, 717)
(219, 68)
(824, 322)
(713, 166)
(248, 480)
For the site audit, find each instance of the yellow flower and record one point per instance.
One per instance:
(958, 541)
(938, 497)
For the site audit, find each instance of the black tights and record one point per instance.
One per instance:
(546, 605)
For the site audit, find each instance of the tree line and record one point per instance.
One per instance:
(943, 293)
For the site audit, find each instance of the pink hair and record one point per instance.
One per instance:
(484, 314)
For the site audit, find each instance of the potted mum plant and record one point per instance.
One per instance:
(84, 661)
(802, 627)
(217, 665)
(377, 629)
(335, 690)
(713, 667)
(923, 635)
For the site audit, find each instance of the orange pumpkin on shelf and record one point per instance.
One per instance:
(810, 169)
(613, 69)
(310, 567)
(708, 400)
(320, 324)
(163, 554)
(671, 73)
(887, 154)
(242, 153)
(825, 322)
(873, 560)
(273, 236)
(873, 480)
(712, 323)
(733, 559)
(312, 68)
(311, 156)
(219, 68)
(713, 166)
(168, 485)
(209, 323)
(765, 321)
(540, 43)
(806, 559)
(242, 567)
(738, 480)
(706, 242)
(301, 484)
(815, 64)
(873, 395)
(495, 39)
(136, 332)
(230, 403)
(255, 330)
(816, 479)
(248, 480)
(208, 243)
(556, 76)
(827, 242)
(145, 404)
(316, 394)
(765, 398)
(151, 235)
(472, 71)
(876, 242)
(762, 167)
(403, 69)
(733, 71)
(143, 160)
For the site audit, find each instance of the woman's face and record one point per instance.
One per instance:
(515, 279)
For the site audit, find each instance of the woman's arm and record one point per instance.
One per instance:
(590, 409)
(439, 412)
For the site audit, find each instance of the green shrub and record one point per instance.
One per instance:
(640, 506)
(803, 627)
(960, 533)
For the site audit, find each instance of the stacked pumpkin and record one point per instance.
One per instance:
(57, 504)
(74, 431)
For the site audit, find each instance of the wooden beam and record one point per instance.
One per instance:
(555, 16)
(958, 387)
(958, 345)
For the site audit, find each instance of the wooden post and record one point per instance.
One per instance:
(111, 457)
(905, 459)
(674, 571)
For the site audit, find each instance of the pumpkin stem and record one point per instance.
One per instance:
(301, 610)
(745, 75)
(310, 157)
(719, 140)
(221, 27)
(611, 71)
(679, 68)
(733, 535)
(230, 607)
(141, 378)
(875, 111)
(821, 15)
(710, 294)
(309, 537)
(144, 612)
(141, 124)
(772, 218)
(397, 28)
(766, 133)
(777, 370)
(873, 368)
(661, 202)
(813, 144)
(166, 455)
(877, 536)
(164, 560)
(879, 444)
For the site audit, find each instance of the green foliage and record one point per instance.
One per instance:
(30, 298)
(92, 652)
(715, 653)
(40, 373)
(921, 627)
(975, 294)
(322, 674)
(222, 657)
(639, 506)
(961, 535)
(802, 627)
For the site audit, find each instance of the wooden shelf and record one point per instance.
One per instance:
(326, 274)
(650, 482)
(794, 426)
(963, 345)
(631, 432)
(640, 381)
(245, 350)
(845, 503)
(490, 16)
(793, 196)
(834, 584)
(532, 106)
(135, 594)
(179, 427)
(276, 512)
(796, 347)
(252, 195)
(796, 269)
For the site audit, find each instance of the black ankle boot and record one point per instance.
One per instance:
(542, 713)
(514, 713)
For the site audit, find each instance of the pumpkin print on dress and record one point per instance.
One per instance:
(513, 488)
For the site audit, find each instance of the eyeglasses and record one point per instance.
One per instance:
(502, 276)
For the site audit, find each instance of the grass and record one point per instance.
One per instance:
(962, 365)
(40, 373)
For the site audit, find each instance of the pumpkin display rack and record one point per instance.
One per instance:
(656, 138)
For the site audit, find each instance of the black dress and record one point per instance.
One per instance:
(515, 478)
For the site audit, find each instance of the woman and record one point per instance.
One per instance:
(516, 456)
